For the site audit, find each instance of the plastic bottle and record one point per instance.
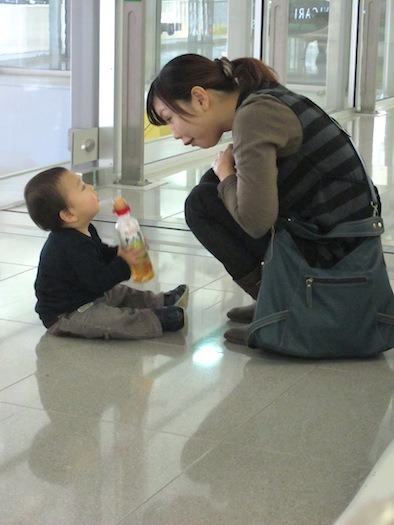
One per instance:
(130, 234)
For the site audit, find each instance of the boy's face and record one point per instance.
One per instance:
(81, 198)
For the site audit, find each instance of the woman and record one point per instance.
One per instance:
(288, 158)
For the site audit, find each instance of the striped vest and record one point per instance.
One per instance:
(324, 181)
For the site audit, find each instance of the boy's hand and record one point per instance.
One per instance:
(131, 255)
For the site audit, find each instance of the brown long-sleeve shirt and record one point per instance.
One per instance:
(264, 129)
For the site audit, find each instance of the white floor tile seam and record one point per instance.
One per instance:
(271, 449)
(11, 204)
(220, 444)
(167, 484)
(211, 286)
(28, 268)
(332, 364)
(22, 266)
(10, 416)
(17, 273)
(170, 346)
(18, 405)
(22, 230)
(219, 279)
(12, 229)
(267, 405)
(12, 385)
(137, 425)
(201, 253)
(13, 318)
(23, 323)
(345, 370)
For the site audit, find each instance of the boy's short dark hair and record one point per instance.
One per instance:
(44, 199)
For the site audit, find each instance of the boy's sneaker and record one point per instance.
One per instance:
(178, 297)
(172, 318)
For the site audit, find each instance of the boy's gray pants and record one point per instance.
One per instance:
(121, 313)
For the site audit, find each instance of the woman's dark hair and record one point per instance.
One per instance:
(177, 78)
(44, 199)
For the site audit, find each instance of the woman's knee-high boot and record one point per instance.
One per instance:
(251, 284)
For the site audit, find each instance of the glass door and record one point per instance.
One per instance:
(309, 43)
(385, 70)
(34, 84)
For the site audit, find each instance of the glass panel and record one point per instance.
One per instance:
(194, 26)
(318, 50)
(189, 26)
(307, 42)
(385, 71)
(35, 79)
(186, 26)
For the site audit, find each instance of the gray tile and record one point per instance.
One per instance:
(76, 376)
(344, 416)
(9, 270)
(212, 399)
(17, 355)
(235, 485)
(205, 391)
(7, 410)
(58, 468)
(20, 249)
(17, 298)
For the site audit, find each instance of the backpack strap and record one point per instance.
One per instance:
(369, 227)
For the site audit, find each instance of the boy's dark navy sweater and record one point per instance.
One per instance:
(75, 269)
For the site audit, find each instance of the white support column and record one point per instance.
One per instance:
(54, 34)
(339, 32)
(369, 55)
(152, 39)
(85, 42)
(279, 20)
(240, 38)
(388, 69)
(258, 29)
(132, 79)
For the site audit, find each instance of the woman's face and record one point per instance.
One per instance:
(202, 128)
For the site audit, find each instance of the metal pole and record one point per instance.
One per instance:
(279, 19)
(118, 91)
(133, 81)
(369, 56)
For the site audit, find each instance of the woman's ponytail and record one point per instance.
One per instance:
(252, 74)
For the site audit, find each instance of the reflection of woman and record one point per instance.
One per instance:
(328, 444)
(288, 158)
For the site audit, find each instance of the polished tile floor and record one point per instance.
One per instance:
(185, 429)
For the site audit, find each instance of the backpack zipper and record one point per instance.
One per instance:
(309, 281)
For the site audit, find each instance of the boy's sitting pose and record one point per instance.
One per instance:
(78, 277)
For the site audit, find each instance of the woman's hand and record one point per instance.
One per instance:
(224, 165)
(131, 255)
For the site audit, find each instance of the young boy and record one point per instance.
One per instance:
(77, 284)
